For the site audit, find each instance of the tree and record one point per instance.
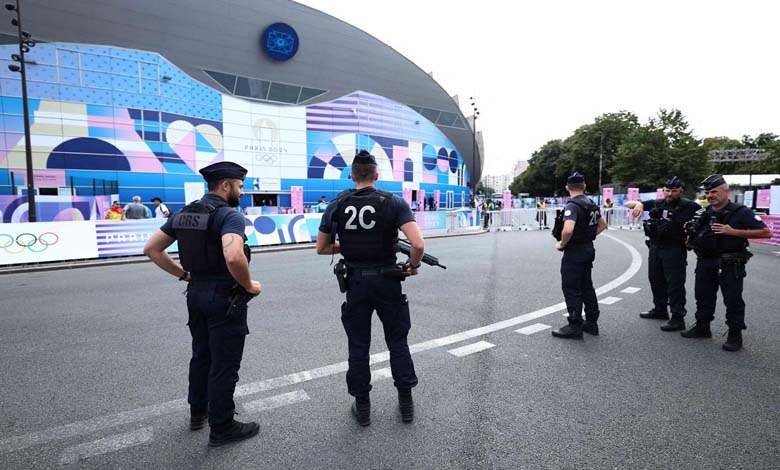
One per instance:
(481, 188)
(664, 147)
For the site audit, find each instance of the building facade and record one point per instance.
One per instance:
(125, 101)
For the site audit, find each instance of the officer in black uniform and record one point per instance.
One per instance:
(582, 222)
(367, 221)
(668, 258)
(214, 262)
(718, 235)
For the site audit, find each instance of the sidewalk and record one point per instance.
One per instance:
(89, 263)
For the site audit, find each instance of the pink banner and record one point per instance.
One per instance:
(296, 199)
(659, 193)
(436, 196)
(407, 195)
(633, 194)
(421, 199)
(773, 222)
(762, 201)
(608, 193)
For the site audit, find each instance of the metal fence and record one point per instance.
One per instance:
(542, 219)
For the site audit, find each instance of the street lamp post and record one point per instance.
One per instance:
(601, 159)
(25, 43)
(474, 135)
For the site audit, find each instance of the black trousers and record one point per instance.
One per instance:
(666, 270)
(577, 284)
(369, 290)
(711, 275)
(217, 349)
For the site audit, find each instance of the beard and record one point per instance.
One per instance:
(233, 199)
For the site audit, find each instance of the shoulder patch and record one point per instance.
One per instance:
(567, 213)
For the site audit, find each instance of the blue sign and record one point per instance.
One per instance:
(280, 41)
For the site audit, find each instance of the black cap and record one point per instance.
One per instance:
(712, 181)
(364, 158)
(576, 178)
(223, 170)
(673, 183)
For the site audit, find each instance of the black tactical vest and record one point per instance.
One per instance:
(366, 229)
(707, 243)
(200, 247)
(668, 229)
(587, 220)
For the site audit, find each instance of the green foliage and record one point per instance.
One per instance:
(481, 188)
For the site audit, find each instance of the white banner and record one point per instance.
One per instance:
(774, 200)
(748, 201)
(47, 241)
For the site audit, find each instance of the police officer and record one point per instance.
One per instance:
(582, 222)
(214, 259)
(668, 256)
(719, 238)
(367, 221)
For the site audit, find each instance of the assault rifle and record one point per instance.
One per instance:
(406, 248)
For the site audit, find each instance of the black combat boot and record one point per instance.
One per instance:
(406, 405)
(654, 314)
(675, 324)
(197, 419)
(361, 409)
(570, 331)
(591, 328)
(698, 330)
(232, 431)
(734, 341)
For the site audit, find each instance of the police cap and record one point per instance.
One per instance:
(223, 170)
(673, 183)
(364, 158)
(576, 178)
(712, 181)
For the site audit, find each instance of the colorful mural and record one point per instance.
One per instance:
(134, 119)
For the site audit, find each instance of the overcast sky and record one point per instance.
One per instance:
(541, 69)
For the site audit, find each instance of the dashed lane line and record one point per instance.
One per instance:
(471, 348)
(104, 446)
(381, 374)
(610, 300)
(631, 290)
(276, 401)
(535, 328)
(24, 441)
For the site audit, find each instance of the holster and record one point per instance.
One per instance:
(736, 258)
(395, 272)
(340, 271)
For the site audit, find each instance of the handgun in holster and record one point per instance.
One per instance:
(239, 298)
(340, 270)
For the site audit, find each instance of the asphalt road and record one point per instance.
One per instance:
(93, 366)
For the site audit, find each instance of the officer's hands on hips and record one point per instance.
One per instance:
(256, 288)
(723, 229)
(409, 269)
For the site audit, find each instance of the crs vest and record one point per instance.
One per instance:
(707, 243)
(587, 220)
(667, 228)
(200, 247)
(365, 225)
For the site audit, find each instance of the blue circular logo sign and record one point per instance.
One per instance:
(280, 41)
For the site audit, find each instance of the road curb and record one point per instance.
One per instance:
(92, 263)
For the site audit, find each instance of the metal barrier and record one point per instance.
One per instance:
(543, 219)
(621, 218)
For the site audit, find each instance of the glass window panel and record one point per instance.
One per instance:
(284, 93)
(258, 89)
(227, 81)
(430, 114)
(309, 93)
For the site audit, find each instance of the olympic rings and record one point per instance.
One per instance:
(27, 241)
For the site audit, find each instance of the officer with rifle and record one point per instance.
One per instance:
(575, 231)
(215, 265)
(367, 221)
(719, 236)
(667, 259)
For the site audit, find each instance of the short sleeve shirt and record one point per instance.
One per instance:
(226, 219)
(399, 211)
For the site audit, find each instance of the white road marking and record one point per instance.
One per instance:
(276, 401)
(104, 422)
(104, 446)
(609, 300)
(536, 327)
(381, 374)
(631, 290)
(471, 348)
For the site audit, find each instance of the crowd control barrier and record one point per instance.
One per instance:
(542, 219)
